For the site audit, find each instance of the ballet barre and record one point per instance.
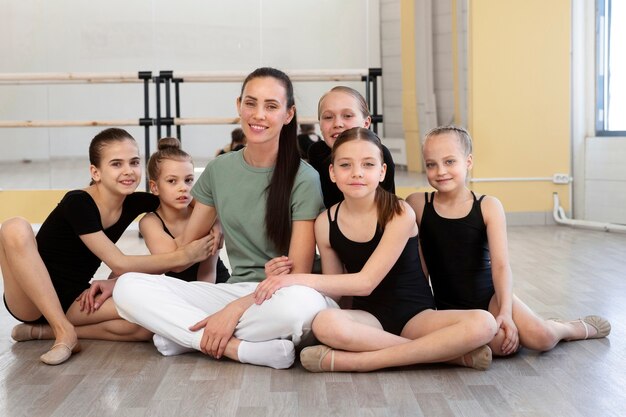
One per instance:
(168, 78)
(185, 76)
(132, 122)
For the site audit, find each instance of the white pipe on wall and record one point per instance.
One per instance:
(559, 217)
(511, 179)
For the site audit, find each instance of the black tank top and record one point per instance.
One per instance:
(189, 274)
(457, 256)
(403, 293)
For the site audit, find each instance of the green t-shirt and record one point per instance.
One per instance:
(237, 191)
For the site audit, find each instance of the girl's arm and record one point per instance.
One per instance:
(101, 246)
(157, 240)
(416, 201)
(495, 220)
(362, 283)
(331, 264)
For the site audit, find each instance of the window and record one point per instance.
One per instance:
(610, 68)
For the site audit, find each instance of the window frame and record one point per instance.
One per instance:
(603, 41)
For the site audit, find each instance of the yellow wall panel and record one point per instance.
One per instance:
(520, 97)
(34, 205)
(409, 86)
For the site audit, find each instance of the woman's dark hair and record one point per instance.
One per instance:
(277, 208)
(103, 139)
(168, 149)
(387, 204)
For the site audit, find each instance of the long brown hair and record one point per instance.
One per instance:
(387, 204)
(277, 207)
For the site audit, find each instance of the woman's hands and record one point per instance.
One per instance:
(278, 266)
(220, 327)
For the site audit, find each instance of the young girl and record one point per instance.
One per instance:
(464, 246)
(373, 235)
(44, 275)
(171, 174)
(338, 110)
(267, 201)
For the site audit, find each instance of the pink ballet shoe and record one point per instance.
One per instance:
(311, 358)
(480, 358)
(24, 332)
(59, 353)
(602, 326)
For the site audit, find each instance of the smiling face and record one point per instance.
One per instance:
(120, 167)
(263, 110)
(447, 165)
(174, 183)
(357, 168)
(340, 111)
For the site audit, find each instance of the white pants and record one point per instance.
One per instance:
(169, 306)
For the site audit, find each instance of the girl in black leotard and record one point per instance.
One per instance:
(340, 109)
(463, 240)
(171, 174)
(373, 236)
(44, 275)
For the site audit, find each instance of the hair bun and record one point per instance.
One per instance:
(168, 142)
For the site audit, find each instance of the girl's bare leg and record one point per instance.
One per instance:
(106, 324)
(429, 337)
(535, 332)
(27, 286)
(352, 330)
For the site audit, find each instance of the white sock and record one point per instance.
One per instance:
(277, 354)
(168, 348)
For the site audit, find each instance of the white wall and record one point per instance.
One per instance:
(599, 188)
(605, 181)
(443, 59)
(154, 35)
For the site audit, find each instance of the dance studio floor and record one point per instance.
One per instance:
(559, 272)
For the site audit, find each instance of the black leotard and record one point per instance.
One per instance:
(68, 260)
(403, 293)
(457, 256)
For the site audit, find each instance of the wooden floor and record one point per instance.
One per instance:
(559, 272)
